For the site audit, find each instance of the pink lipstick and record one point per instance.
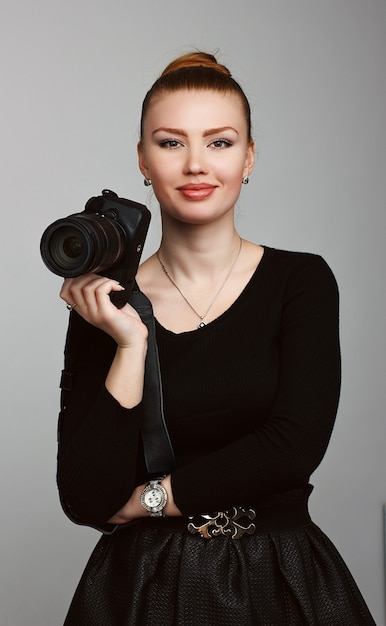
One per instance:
(196, 191)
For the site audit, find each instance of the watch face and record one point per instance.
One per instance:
(153, 497)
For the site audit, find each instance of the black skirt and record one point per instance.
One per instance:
(156, 573)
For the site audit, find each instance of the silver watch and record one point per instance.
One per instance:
(154, 497)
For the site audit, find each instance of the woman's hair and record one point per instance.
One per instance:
(196, 70)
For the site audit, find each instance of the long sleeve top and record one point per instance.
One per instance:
(249, 400)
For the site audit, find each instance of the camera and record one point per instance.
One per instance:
(106, 238)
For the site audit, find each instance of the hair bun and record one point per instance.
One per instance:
(195, 59)
(200, 71)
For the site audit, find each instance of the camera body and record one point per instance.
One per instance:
(106, 238)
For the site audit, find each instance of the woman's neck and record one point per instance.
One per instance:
(198, 252)
(199, 259)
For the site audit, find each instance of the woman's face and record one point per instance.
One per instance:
(196, 150)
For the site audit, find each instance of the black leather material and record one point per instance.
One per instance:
(158, 451)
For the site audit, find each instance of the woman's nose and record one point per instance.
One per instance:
(195, 162)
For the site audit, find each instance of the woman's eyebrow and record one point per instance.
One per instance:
(216, 131)
(172, 131)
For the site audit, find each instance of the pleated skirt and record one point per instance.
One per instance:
(155, 573)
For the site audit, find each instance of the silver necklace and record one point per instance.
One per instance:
(201, 324)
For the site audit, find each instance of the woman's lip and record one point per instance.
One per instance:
(196, 191)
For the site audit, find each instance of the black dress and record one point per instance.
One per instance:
(250, 402)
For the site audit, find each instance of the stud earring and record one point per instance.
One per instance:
(147, 182)
(245, 180)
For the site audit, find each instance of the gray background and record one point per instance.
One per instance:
(72, 80)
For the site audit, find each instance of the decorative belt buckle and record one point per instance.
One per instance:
(233, 523)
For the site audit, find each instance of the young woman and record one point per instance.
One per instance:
(249, 354)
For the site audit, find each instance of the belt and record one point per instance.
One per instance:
(282, 511)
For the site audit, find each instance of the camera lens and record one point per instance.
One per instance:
(67, 249)
(82, 243)
(72, 247)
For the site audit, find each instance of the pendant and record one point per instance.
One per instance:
(201, 324)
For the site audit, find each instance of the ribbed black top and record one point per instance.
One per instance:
(250, 399)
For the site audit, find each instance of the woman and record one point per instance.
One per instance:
(249, 353)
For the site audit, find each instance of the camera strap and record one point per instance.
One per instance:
(158, 451)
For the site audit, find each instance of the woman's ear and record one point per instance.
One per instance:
(142, 161)
(249, 159)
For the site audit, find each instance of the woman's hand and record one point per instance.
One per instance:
(133, 509)
(90, 295)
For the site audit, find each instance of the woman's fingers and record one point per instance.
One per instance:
(89, 295)
(88, 291)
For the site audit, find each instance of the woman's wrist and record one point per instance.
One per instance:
(126, 375)
(133, 508)
(171, 509)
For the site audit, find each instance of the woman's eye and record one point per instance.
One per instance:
(221, 143)
(169, 143)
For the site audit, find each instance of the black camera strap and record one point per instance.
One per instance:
(158, 451)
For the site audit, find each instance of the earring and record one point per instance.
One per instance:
(245, 180)
(147, 182)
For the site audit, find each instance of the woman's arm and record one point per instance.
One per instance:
(99, 426)
(280, 453)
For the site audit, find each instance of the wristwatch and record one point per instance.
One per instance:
(154, 497)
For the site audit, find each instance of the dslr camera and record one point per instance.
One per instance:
(106, 238)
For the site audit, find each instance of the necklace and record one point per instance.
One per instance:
(201, 324)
